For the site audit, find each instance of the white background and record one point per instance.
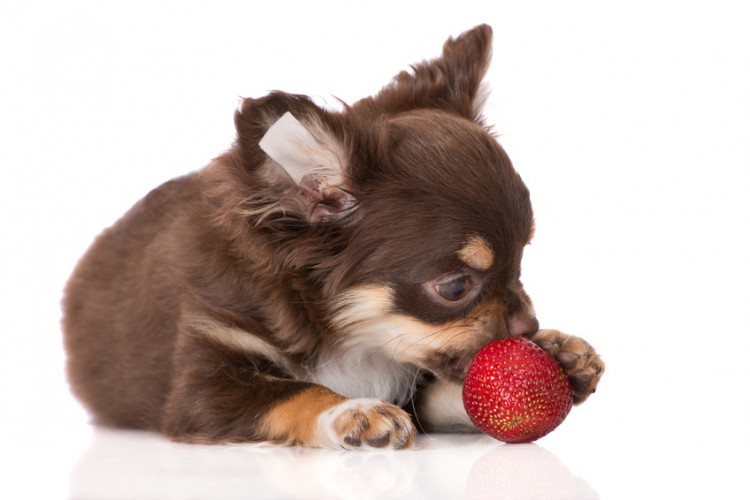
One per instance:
(629, 121)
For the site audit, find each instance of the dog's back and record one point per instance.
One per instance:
(121, 310)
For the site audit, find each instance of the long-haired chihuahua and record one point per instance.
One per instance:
(325, 282)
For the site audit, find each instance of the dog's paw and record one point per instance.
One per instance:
(366, 424)
(580, 361)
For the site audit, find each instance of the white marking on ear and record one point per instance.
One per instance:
(302, 152)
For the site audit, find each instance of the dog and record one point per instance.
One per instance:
(325, 282)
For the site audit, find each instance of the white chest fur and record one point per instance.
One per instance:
(365, 373)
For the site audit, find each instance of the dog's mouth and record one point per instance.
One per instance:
(452, 366)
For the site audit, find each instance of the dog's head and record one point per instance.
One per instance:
(400, 218)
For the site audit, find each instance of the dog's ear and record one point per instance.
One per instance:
(450, 82)
(295, 151)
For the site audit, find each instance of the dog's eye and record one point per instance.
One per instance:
(454, 288)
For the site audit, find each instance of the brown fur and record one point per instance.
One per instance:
(222, 304)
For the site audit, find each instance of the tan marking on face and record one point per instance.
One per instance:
(366, 321)
(294, 421)
(477, 253)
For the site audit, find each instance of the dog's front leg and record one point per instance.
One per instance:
(223, 396)
(440, 408)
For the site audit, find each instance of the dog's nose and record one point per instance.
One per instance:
(522, 324)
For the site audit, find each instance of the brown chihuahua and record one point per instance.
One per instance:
(330, 272)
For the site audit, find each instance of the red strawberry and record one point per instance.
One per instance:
(516, 392)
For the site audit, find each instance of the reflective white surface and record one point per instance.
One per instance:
(64, 458)
(140, 465)
(628, 121)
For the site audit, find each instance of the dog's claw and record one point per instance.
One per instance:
(580, 361)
